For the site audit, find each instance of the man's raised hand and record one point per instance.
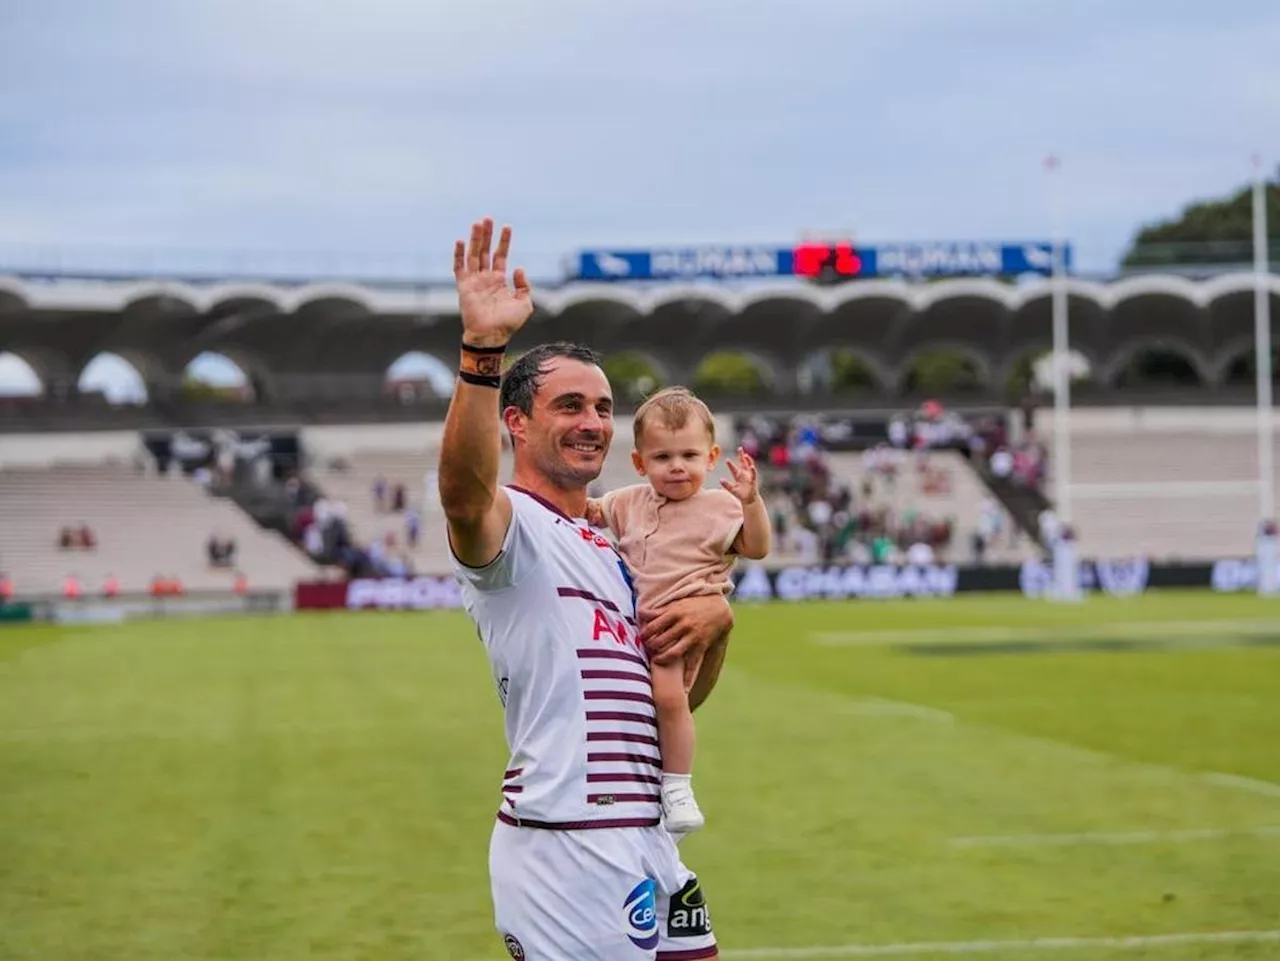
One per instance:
(491, 310)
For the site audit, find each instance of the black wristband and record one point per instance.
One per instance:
(484, 351)
(480, 380)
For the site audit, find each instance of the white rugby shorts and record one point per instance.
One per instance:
(613, 894)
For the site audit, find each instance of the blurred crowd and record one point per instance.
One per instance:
(819, 517)
(320, 524)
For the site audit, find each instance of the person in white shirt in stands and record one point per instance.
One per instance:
(581, 867)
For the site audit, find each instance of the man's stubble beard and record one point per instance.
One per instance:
(556, 469)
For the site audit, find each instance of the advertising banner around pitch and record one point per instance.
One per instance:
(1124, 577)
(383, 594)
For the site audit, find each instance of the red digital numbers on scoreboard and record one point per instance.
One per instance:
(814, 260)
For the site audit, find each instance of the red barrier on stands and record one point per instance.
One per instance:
(385, 594)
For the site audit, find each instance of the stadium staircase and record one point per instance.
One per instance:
(1023, 504)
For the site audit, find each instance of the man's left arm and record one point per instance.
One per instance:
(695, 629)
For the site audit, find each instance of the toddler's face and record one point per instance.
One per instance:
(676, 462)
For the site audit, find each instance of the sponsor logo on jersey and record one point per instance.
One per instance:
(687, 915)
(641, 911)
(514, 947)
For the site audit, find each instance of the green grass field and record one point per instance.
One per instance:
(877, 777)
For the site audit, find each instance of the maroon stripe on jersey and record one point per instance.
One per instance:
(630, 778)
(622, 756)
(615, 676)
(618, 696)
(619, 736)
(622, 716)
(512, 788)
(606, 823)
(693, 954)
(514, 772)
(625, 798)
(541, 500)
(604, 652)
(604, 602)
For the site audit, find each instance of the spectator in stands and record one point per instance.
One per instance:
(399, 498)
(221, 551)
(1050, 527)
(111, 586)
(71, 587)
(380, 494)
(899, 433)
(991, 521)
(412, 527)
(920, 554)
(241, 583)
(77, 538)
(313, 541)
(6, 588)
(978, 544)
(1002, 463)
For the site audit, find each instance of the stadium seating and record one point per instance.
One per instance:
(960, 498)
(1172, 517)
(145, 525)
(353, 485)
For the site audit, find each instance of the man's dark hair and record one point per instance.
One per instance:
(523, 379)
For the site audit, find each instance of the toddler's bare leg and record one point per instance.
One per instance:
(677, 738)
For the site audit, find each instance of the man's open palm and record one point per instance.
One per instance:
(492, 311)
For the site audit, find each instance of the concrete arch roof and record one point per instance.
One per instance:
(13, 287)
(1200, 362)
(112, 296)
(1076, 287)
(1237, 283)
(314, 293)
(262, 293)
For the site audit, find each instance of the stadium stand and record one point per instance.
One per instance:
(144, 525)
(1165, 494)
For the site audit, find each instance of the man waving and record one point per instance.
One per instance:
(580, 866)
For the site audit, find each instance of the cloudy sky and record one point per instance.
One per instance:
(364, 135)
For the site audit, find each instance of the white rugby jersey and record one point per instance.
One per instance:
(556, 613)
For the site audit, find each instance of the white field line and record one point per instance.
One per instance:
(1175, 836)
(1244, 783)
(1118, 629)
(1148, 489)
(1137, 942)
(884, 707)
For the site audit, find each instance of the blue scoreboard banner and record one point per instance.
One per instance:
(960, 259)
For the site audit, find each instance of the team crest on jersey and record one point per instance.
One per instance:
(514, 947)
(641, 915)
(687, 915)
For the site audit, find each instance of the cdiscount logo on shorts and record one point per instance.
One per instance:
(641, 910)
